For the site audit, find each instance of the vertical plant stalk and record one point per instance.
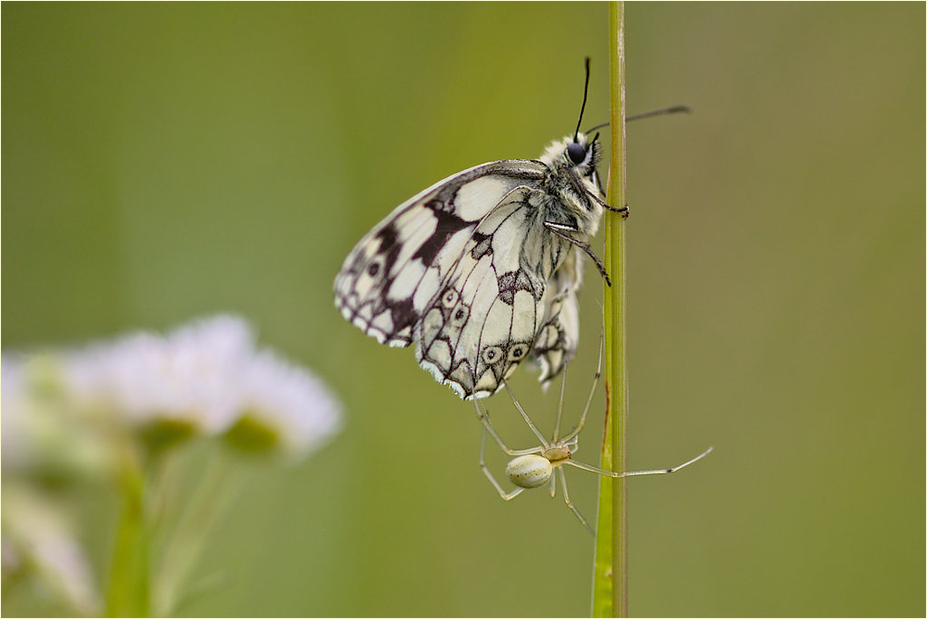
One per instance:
(610, 580)
(219, 484)
(127, 592)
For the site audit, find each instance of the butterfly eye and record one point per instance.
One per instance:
(576, 152)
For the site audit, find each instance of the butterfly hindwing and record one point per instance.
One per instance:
(558, 334)
(483, 322)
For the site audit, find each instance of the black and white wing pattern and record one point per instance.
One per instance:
(558, 335)
(481, 269)
(396, 271)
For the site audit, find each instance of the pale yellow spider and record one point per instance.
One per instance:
(531, 468)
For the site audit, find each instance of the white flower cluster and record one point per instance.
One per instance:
(105, 411)
(205, 378)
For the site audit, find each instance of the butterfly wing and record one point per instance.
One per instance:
(558, 335)
(394, 273)
(491, 306)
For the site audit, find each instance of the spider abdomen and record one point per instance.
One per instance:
(529, 471)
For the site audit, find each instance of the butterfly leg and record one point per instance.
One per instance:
(582, 190)
(625, 210)
(561, 231)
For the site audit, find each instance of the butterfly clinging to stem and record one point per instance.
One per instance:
(481, 270)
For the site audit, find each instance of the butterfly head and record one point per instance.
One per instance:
(575, 151)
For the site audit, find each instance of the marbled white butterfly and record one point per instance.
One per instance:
(481, 270)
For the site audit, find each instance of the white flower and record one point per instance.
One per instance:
(285, 407)
(35, 532)
(203, 378)
(191, 376)
(39, 430)
(12, 402)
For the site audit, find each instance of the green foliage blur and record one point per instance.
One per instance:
(166, 161)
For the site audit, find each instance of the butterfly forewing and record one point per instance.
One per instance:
(393, 273)
(468, 271)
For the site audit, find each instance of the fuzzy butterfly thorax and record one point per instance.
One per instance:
(481, 270)
(588, 212)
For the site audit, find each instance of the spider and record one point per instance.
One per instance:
(533, 467)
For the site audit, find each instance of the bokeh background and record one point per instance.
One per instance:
(168, 161)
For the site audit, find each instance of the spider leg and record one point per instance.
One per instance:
(595, 381)
(506, 496)
(569, 503)
(487, 427)
(525, 416)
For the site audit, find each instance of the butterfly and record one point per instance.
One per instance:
(481, 270)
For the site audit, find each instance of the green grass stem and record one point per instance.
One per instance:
(610, 580)
(127, 593)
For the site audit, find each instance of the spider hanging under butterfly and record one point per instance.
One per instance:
(536, 466)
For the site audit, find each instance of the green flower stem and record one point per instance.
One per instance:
(610, 585)
(219, 483)
(127, 592)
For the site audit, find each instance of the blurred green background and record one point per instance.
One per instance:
(167, 161)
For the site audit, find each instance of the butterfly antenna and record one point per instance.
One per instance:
(660, 112)
(675, 109)
(582, 109)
